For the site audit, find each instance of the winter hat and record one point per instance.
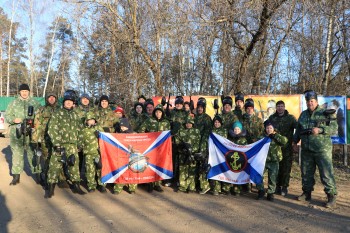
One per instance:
(23, 87)
(310, 94)
(267, 123)
(104, 97)
(227, 100)
(237, 124)
(249, 103)
(119, 109)
(217, 118)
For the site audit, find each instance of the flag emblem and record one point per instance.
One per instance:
(236, 160)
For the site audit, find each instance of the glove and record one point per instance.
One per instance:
(117, 127)
(272, 136)
(97, 133)
(106, 129)
(71, 160)
(175, 127)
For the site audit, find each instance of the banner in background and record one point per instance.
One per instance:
(339, 104)
(136, 158)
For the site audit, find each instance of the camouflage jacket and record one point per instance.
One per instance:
(178, 116)
(239, 113)
(64, 127)
(136, 121)
(275, 151)
(254, 127)
(203, 122)
(88, 139)
(285, 125)
(18, 108)
(238, 139)
(191, 136)
(228, 119)
(315, 143)
(106, 119)
(154, 125)
(220, 131)
(41, 120)
(83, 110)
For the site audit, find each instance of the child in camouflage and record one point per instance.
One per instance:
(89, 143)
(273, 158)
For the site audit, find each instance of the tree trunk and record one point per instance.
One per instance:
(328, 65)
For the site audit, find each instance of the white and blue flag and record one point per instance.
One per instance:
(237, 164)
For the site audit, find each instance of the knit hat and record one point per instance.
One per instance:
(119, 109)
(237, 124)
(249, 103)
(310, 94)
(138, 104)
(85, 95)
(227, 100)
(179, 100)
(267, 123)
(23, 87)
(104, 97)
(217, 118)
(239, 96)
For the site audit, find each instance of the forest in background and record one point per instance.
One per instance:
(124, 48)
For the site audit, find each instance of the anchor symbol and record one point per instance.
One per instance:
(234, 164)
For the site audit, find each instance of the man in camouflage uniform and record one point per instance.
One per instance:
(105, 116)
(222, 131)
(228, 117)
(203, 123)
(177, 117)
(314, 131)
(273, 158)
(254, 127)
(88, 140)
(188, 139)
(285, 124)
(20, 142)
(239, 101)
(156, 123)
(64, 129)
(82, 110)
(149, 106)
(40, 136)
(138, 117)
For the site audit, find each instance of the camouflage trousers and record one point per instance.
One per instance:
(56, 166)
(187, 177)
(202, 177)
(323, 160)
(119, 187)
(285, 168)
(92, 174)
(220, 186)
(18, 148)
(46, 148)
(272, 173)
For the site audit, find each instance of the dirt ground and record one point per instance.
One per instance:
(23, 208)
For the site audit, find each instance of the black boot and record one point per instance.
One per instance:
(305, 196)
(15, 179)
(261, 194)
(77, 189)
(50, 190)
(270, 197)
(331, 200)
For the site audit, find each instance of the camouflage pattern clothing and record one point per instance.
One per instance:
(228, 118)
(273, 158)
(239, 113)
(18, 108)
(106, 119)
(83, 110)
(187, 167)
(285, 125)
(254, 127)
(136, 121)
(40, 135)
(88, 141)
(64, 129)
(316, 150)
(203, 123)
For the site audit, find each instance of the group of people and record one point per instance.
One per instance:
(61, 142)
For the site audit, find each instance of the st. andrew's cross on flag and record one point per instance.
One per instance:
(136, 158)
(237, 164)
